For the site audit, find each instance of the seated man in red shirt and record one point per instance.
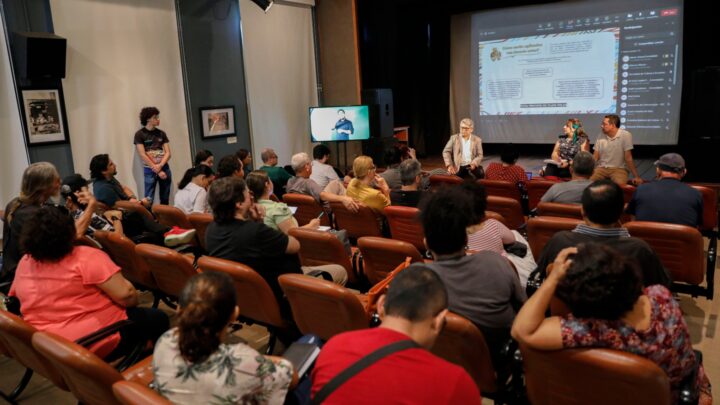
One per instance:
(413, 315)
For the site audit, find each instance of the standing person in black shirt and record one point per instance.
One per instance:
(153, 147)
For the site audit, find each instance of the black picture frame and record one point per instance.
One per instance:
(43, 115)
(217, 121)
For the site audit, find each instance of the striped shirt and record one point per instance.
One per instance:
(606, 232)
(489, 237)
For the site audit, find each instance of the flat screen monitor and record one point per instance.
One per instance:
(339, 123)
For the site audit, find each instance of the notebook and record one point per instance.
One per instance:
(302, 356)
(292, 209)
(323, 228)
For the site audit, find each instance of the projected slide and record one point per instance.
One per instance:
(563, 73)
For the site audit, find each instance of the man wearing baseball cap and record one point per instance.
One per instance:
(667, 199)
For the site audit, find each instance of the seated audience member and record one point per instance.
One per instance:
(106, 188)
(667, 199)
(413, 311)
(485, 233)
(193, 365)
(230, 166)
(361, 187)
(73, 291)
(192, 190)
(602, 207)
(573, 140)
(609, 308)
(134, 225)
(239, 234)
(40, 184)
(303, 183)
(409, 194)
(322, 172)
(245, 158)
(507, 170)
(393, 157)
(482, 287)
(277, 215)
(571, 192)
(277, 174)
(204, 157)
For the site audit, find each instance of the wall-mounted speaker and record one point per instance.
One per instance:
(39, 55)
(380, 107)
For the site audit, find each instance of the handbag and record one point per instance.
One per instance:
(381, 288)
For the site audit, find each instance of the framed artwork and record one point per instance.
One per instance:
(217, 121)
(43, 116)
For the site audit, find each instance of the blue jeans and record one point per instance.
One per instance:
(152, 179)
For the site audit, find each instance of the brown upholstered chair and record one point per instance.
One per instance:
(365, 222)
(494, 215)
(86, 241)
(255, 299)
(171, 216)
(16, 340)
(501, 188)
(462, 343)
(553, 209)
(122, 251)
(134, 207)
(593, 376)
(322, 307)
(710, 208)
(381, 256)
(405, 225)
(628, 192)
(541, 229)
(307, 208)
(87, 376)
(200, 222)
(509, 208)
(320, 247)
(132, 393)
(439, 180)
(536, 189)
(681, 251)
(170, 269)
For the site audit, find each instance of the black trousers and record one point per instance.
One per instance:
(465, 172)
(148, 325)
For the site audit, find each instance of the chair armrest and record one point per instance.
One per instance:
(141, 372)
(101, 334)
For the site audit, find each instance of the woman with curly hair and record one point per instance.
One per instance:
(192, 364)
(573, 140)
(609, 308)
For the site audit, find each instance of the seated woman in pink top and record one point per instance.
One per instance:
(485, 234)
(73, 291)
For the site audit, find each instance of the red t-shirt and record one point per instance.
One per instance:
(63, 298)
(513, 173)
(412, 376)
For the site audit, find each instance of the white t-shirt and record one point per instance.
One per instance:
(322, 174)
(192, 198)
(467, 150)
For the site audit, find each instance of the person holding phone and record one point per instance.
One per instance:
(277, 214)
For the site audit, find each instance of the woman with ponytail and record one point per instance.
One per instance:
(573, 140)
(191, 363)
(192, 190)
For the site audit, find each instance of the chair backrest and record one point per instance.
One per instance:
(254, 296)
(382, 255)
(322, 307)
(170, 269)
(132, 393)
(362, 223)
(593, 376)
(462, 343)
(320, 247)
(122, 251)
(541, 229)
(134, 207)
(509, 208)
(89, 378)
(553, 209)
(405, 225)
(501, 188)
(494, 215)
(536, 189)
(680, 248)
(171, 216)
(439, 180)
(16, 340)
(200, 222)
(307, 208)
(628, 192)
(710, 207)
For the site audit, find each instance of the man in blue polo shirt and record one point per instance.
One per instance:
(668, 199)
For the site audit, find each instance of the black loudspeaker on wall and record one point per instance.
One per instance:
(380, 107)
(39, 55)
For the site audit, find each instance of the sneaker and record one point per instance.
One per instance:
(178, 236)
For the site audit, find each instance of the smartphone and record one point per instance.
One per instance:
(321, 214)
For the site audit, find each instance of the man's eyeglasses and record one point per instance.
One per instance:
(464, 128)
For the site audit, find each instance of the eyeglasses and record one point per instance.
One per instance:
(465, 127)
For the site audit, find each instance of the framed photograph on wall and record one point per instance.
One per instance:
(217, 121)
(43, 116)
